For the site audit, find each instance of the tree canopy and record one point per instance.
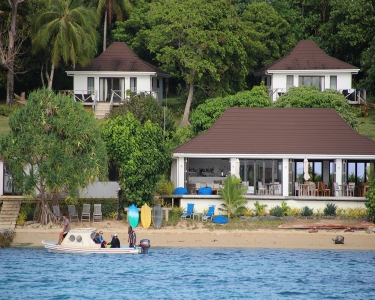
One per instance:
(66, 33)
(146, 108)
(206, 114)
(54, 144)
(139, 154)
(311, 97)
(200, 39)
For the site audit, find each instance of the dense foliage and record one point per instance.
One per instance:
(146, 108)
(311, 97)
(139, 154)
(54, 144)
(206, 114)
(262, 30)
(232, 195)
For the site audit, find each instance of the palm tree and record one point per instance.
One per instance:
(67, 32)
(111, 8)
(232, 194)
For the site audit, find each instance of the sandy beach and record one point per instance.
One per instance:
(199, 236)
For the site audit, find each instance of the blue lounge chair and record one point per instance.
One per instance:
(189, 211)
(209, 214)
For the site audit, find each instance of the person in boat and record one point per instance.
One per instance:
(132, 239)
(100, 239)
(65, 230)
(115, 243)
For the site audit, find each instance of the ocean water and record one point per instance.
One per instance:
(188, 273)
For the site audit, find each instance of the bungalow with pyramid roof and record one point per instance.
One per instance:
(279, 154)
(111, 75)
(307, 64)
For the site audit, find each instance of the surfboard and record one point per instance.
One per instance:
(145, 216)
(157, 216)
(133, 216)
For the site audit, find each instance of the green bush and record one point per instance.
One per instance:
(277, 211)
(285, 208)
(330, 209)
(164, 186)
(306, 211)
(260, 209)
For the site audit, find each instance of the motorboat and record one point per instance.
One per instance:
(81, 240)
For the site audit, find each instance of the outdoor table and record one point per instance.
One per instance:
(198, 215)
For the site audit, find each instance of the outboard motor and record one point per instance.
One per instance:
(145, 245)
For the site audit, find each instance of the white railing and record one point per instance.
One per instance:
(276, 93)
(84, 96)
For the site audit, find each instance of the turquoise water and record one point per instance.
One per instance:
(188, 273)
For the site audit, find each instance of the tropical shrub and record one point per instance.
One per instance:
(285, 208)
(341, 212)
(370, 204)
(164, 186)
(295, 212)
(260, 209)
(356, 212)
(330, 209)
(306, 211)
(277, 211)
(22, 217)
(232, 194)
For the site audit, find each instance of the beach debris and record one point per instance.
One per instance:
(339, 239)
(215, 240)
(314, 230)
(349, 229)
(6, 237)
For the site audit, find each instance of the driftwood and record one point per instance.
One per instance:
(6, 237)
(20, 99)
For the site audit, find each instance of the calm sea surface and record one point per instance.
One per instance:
(188, 273)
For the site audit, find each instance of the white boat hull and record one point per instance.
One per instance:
(52, 247)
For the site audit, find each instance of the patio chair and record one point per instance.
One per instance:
(209, 215)
(97, 215)
(86, 212)
(73, 215)
(189, 211)
(351, 188)
(275, 188)
(261, 188)
(311, 189)
(337, 189)
(297, 189)
(56, 212)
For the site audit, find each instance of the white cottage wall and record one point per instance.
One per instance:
(344, 81)
(100, 190)
(80, 82)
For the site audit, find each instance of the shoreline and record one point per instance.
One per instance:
(31, 237)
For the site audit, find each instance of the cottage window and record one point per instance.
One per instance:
(289, 82)
(317, 81)
(90, 85)
(157, 83)
(333, 82)
(133, 85)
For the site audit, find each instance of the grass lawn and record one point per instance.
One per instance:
(367, 125)
(4, 126)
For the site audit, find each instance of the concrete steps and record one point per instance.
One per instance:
(102, 109)
(9, 214)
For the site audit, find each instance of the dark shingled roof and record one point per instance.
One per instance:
(306, 55)
(320, 131)
(119, 57)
